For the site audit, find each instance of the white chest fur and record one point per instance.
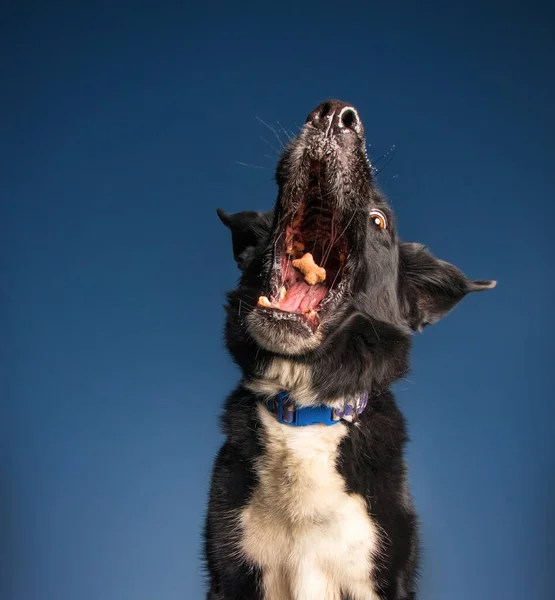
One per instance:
(312, 539)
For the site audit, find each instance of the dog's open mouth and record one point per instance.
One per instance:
(310, 255)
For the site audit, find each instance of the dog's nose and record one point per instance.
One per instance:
(333, 117)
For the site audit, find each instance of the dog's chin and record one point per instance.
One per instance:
(283, 332)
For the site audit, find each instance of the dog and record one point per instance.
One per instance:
(309, 497)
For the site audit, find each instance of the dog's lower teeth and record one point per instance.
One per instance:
(263, 301)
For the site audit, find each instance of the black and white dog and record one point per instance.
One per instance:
(309, 496)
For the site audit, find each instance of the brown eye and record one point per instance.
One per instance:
(378, 218)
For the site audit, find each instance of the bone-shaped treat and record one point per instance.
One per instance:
(313, 274)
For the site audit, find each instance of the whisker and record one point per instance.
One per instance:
(335, 278)
(284, 130)
(272, 147)
(331, 244)
(386, 153)
(374, 328)
(347, 227)
(273, 131)
(244, 164)
(288, 261)
(278, 238)
(392, 156)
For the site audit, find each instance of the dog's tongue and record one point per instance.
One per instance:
(301, 296)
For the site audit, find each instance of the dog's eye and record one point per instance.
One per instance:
(378, 218)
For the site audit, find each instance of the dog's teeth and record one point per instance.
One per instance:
(263, 301)
(294, 248)
(282, 293)
(311, 314)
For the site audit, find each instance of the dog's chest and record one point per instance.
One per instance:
(312, 539)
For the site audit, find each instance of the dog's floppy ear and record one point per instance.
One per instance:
(432, 287)
(247, 229)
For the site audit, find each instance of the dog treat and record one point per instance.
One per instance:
(313, 274)
(263, 301)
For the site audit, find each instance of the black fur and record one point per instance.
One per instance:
(391, 290)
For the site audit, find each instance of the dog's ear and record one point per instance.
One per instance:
(247, 229)
(431, 287)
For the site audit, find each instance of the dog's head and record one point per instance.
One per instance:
(363, 280)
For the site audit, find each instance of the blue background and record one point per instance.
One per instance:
(123, 126)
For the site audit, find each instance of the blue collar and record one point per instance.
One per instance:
(287, 413)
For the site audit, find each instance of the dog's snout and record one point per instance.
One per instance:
(333, 116)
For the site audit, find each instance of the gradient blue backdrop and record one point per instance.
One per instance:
(123, 126)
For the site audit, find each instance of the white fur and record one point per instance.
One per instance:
(283, 374)
(312, 539)
(294, 377)
(274, 338)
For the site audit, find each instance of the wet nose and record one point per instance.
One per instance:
(334, 117)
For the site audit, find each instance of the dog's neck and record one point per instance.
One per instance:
(287, 390)
(288, 413)
(296, 378)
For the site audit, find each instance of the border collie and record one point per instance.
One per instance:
(309, 497)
